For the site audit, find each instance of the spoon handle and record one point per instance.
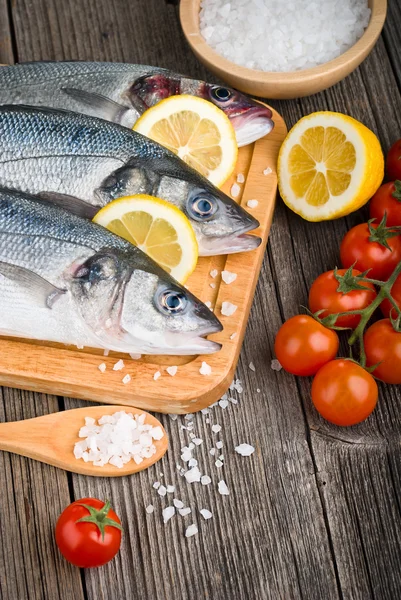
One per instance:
(22, 437)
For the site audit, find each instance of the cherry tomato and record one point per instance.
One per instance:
(91, 543)
(393, 161)
(383, 345)
(303, 345)
(387, 200)
(386, 307)
(323, 295)
(343, 392)
(357, 249)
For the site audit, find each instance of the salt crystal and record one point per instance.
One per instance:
(167, 513)
(228, 309)
(223, 403)
(212, 285)
(216, 428)
(197, 441)
(170, 489)
(118, 366)
(191, 530)
(252, 203)
(208, 304)
(173, 417)
(156, 485)
(135, 356)
(258, 390)
(252, 366)
(156, 375)
(157, 432)
(178, 503)
(228, 277)
(172, 371)
(240, 178)
(126, 378)
(245, 449)
(235, 190)
(219, 444)
(275, 365)
(193, 475)
(106, 352)
(162, 491)
(184, 511)
(214, 273)
(232, 336)
(205, 480)
(102, 367)
(149, 509)
(192, 462)
(205, 369)
(212, 451)
(206, 514)
(267, 171)
(222, 487)
(218, 463)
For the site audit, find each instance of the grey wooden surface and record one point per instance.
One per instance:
(315, 512)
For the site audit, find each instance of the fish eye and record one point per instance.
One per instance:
(202, 207)
(173, 302)
(100, 269)
(221, 94)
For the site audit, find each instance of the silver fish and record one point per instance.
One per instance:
(120, 92)
(65, 279)
(82, 163)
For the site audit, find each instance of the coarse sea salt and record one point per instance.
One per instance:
(167, 513)
(240, 178)
(126, 379)
(245, 449)
(172, 371)
(184, 511)
(267, 171)
(301, 33)
(118, 366)
(235, 190)
(116, 439)
(214, 273)
(276, 365)
(252, 203)
(206, 514)
(205, 369)
(205, 480)
(102, 367)
(191, 530)
(156, 375)
(228, 309)
(216, 428)
(223, 489)
(149, 509)
(178, 503)
(228, 277)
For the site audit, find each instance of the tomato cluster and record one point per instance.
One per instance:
(344, 391)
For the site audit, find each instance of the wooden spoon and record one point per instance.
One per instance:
(51, 438)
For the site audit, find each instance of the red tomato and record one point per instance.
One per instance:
(344, 393)
(387, 200)
(386, 306)
(323, 295)
(303, 345)
(393, 161)
(383, 345)
(357, 249)
(88, 544)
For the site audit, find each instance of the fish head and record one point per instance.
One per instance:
(130, 304)
(250, 119)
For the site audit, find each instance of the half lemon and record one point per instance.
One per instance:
(156, 227)
(197, 131)
(329, 166)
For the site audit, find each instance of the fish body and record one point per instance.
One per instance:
(83, 162)
(65, 279)
(121, 92)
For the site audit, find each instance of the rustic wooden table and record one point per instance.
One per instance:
(315, 512)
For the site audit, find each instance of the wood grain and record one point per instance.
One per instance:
(281, 85)
(314, 513)
(47, 368)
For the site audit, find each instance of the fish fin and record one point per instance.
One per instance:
(100, 105)
(72, 204)
(41, 290)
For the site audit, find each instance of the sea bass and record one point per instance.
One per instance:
(83, 162)
(65, 279)
(121, 92)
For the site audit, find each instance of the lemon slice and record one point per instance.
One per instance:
(156, 227)
(329, 166)
(195, 129)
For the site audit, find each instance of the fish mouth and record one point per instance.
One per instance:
(253, 125)
(229, 245)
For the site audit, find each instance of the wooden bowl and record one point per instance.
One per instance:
(293, 84)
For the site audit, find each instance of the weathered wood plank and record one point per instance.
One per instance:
(6, 50)
(313, 513)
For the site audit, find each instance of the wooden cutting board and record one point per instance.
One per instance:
(67, 371)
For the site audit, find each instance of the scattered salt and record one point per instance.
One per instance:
(235, 190)
(223, 403)
(214, 273)
(184, 511)
(162, 491)
(252, 203)
(228, 277)
(126, 378)
(172, 371)
(218, 463)
(219, 444)
(212, 285)
(156, 375)
(167, 513)
(216, 428)
(232, 336)
(102, 367)
(170, 489)
(252, 366)
(212, 451)
(118, 366)
(267, 171)
(275, 365)
(193, 475)
(240, 178)
(135, 356)
(191, 530)
(205, 369)
(192, 463)
(156, 485)
(208, 304)
(197, 441)
(228, 309)
(106, 352)
(223, 489)
(205, 480)
(173, 417)
(178, 503)
(149, 509)
(245, 449)
(206, 514)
